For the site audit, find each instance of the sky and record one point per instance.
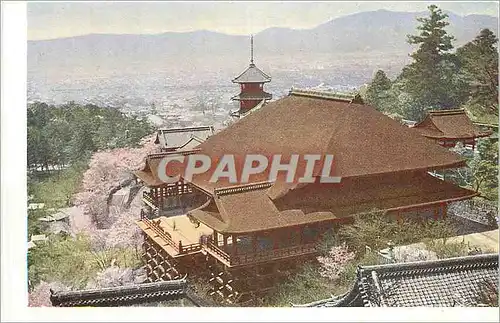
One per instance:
(47, 20)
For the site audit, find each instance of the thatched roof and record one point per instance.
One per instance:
(362, 140)
(249, 209)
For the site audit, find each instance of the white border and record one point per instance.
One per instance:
(13, 165)
(13, 229)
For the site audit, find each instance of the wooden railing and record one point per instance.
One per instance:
(219, 252)
(155, 226)
(178, 247)
(193, 247)
(261, 256)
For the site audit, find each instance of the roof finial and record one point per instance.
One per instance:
(251, 50)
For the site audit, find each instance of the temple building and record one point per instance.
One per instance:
(448, 127)
(182, 138)
(245, 237)
(251, 81)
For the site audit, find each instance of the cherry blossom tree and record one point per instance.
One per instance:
(334, 262)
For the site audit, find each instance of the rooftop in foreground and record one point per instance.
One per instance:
(446, 282)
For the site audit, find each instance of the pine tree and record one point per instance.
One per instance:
(430, 78)
(377, 91)
(479, 64)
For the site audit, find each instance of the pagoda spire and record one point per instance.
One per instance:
(251, 83)
(251, 50)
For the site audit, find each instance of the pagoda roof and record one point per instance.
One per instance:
(251, 208)
(449, 124)
(252, 75)
(442, 283)
(252, 96)
(243, 113)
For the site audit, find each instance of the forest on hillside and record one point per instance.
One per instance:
(70, 133)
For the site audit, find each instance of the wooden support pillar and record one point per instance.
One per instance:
(275, 237)
(444, 207)
(436, 212)
(399, 219)
(320, 230)
(234, 244)
(254, 243)
(224, 241)
(216, 238)
(300, 234)
(179, 201)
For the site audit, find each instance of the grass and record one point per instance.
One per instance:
(72, 262)
(56, 189)
(444, 249)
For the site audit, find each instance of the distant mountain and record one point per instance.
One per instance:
(375, 31)
(380, 30)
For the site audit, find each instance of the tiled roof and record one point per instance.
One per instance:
(121, 295)
(177, 138)
(252, 75)
(450, 124)
(443, 283)
(363, 140)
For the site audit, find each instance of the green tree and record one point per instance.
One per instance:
(377, 92)
(431, 78)
(375, 229)
(479, 64)
(481, 173)
(60, 135)
(484, 167)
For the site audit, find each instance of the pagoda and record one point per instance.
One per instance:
(251, 82)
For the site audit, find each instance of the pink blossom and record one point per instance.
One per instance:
(333, 264)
